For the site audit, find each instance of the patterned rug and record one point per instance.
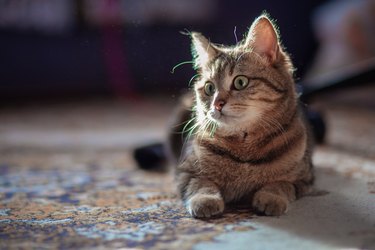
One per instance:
(71, 203)
(68, 180)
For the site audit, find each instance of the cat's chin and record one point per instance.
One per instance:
(221, 120)
(220, 117)
(230, 125)
(214, 115)
(227, 125)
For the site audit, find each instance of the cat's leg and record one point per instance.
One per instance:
(205, 199)
(202, 198)
(274, 198)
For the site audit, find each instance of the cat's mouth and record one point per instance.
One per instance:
(214, 114)
(218, 115)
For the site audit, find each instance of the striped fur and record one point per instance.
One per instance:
(260, 150)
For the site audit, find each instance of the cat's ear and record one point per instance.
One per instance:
(203, 51)
(263, 39)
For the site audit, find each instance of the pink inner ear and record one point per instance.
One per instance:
(265, 41)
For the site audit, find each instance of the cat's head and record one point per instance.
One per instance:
(245, 84)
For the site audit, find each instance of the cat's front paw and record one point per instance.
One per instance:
(205, 205)
(270, 204)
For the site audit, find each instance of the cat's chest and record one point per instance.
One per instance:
(225, 169)
(236, 179)
(225, 161)
(233, 179)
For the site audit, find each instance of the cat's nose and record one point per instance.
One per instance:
(219, 104)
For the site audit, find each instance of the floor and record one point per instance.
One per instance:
(68, 180)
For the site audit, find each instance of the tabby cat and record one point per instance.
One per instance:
(248, 141)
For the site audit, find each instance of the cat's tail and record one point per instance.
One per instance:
(158, 156)
(151, 157)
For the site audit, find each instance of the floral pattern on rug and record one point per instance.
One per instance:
(94, 205)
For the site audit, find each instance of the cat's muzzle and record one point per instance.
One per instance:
(214, 114)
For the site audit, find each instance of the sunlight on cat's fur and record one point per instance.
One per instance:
(244, 135)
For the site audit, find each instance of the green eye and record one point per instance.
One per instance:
(209, 88)
(240, 82)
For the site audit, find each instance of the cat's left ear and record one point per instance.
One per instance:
(263, 39)
(203, 51)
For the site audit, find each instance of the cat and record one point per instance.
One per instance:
(247, 141)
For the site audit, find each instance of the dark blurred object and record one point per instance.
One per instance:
(151, 157)
(355, 75)
(317, 124)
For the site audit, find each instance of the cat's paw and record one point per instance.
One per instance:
(270, 204)
(205, 205)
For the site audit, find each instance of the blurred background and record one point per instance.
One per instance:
(77, 52)
(127, 48)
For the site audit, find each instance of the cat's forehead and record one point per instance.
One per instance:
(229, 65)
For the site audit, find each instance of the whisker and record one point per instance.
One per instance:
(180, 64)
(213, 129)
(192, 79)
(235, 33)
(184, 129)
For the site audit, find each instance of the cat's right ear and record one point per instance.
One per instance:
(203, 51)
